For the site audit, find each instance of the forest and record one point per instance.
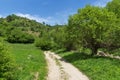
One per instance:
(90, 30)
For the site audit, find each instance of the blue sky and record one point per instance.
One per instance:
(50, 11)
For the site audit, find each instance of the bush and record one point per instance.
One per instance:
(17, 36)
(7, 65)
(44, 44)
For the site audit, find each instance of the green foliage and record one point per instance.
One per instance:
(58, 36)
(30, 61)
(7, 65)
(93, 27)
(52, 38)
(23, 23)
(44, 44)
(114, 7)
(2, 31)
(17, 36)
(11, 18)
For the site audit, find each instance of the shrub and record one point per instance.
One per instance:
(7, 65)
(44, 44)
(17, 36)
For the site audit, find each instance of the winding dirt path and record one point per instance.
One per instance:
(61, 70)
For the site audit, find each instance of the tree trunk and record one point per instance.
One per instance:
(94, 51)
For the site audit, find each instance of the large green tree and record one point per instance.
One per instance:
(94, 28)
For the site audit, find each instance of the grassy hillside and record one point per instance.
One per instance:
(96, 68)
(21, 23)
(30, 61)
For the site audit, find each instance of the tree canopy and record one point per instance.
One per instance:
(94, 28)
(114, 6)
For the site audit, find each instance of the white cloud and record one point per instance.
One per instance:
(48, 20)
(1, 16)
(32, 17)
(58, 18)
(101, 3)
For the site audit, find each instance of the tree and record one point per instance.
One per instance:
(43, 43)
(93, 27)
(58, 35)
(114, 6)
(11, 18)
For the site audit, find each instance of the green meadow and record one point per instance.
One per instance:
(30, 61)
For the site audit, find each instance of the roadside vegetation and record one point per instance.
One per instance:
(90, 30)
(7, 63)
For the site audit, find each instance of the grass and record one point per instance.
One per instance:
(116, 52)
(30, 61)
(96, 68)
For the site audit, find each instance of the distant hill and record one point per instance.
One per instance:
(21, 22)
(20, 29)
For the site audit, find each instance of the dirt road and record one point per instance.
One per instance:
(61, 70)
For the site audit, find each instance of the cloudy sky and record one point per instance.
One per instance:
(49, 11)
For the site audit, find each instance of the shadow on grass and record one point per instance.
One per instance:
(82, 56)
(76, 56)
(60, 51)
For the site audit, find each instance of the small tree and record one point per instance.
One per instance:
(43, 43)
